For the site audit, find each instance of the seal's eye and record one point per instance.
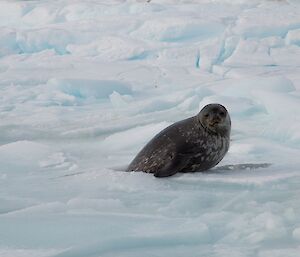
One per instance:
(206, 115)
(222, 114)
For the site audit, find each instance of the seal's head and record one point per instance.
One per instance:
(215, 118)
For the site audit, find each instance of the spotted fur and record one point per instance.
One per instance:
(190, 145)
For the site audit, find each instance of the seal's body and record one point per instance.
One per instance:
(194, 144)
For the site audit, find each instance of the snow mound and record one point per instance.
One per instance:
(76, 89)
(174, 29)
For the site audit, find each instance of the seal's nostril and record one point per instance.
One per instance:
(216, 119)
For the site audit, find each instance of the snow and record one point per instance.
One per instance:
(85, 84)
(293, 37)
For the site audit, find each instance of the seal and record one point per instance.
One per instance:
(195, 144)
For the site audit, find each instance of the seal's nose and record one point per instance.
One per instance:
(216, 119)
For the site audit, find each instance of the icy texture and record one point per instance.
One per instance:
(85, 84)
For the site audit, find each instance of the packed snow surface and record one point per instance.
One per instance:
(85, 84)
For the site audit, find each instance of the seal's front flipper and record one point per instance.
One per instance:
(174, 165)
(164, 173)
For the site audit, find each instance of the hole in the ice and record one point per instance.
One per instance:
(240, 167)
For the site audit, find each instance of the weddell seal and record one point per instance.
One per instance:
(194, 144)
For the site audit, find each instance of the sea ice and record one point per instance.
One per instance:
(84, 85)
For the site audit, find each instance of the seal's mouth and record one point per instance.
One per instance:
(214, 123)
